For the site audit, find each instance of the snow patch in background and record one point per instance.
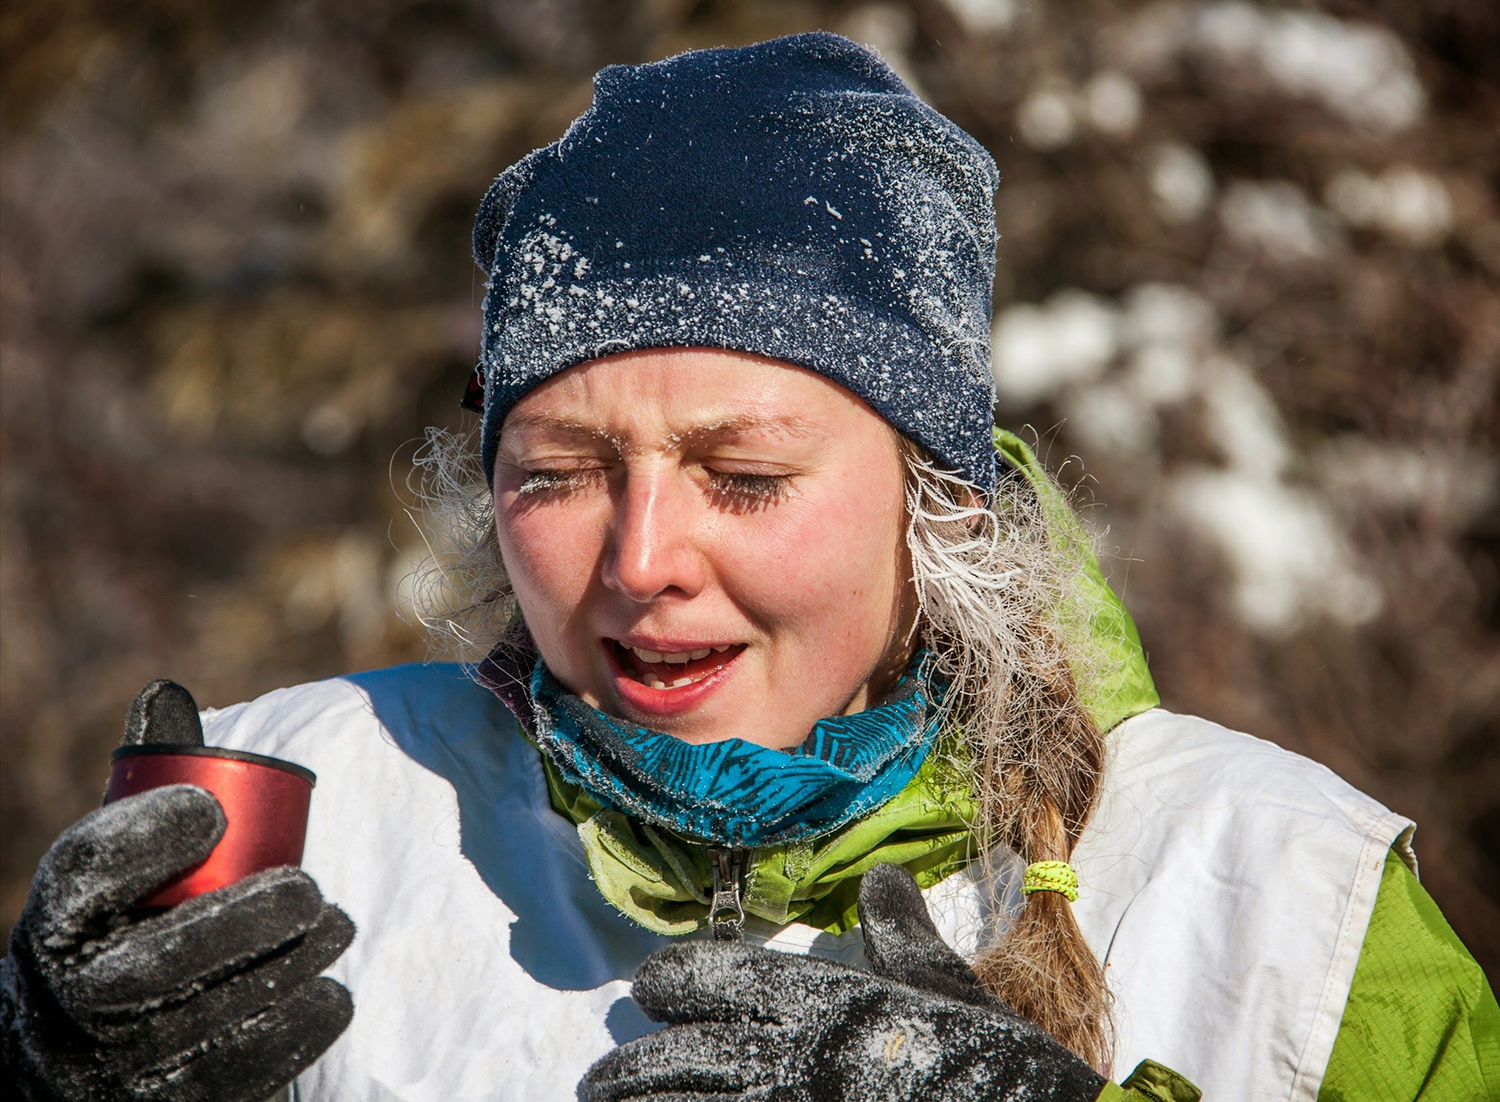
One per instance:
(1396, 477)
(1403, 203)
(1161, 374)
(1243, 421)
(1359, 71)
(1277, 218)
(1040, 350)
(1113, 103)
(1111, 368)
(1046, 119)
(1109, 417)
(1053, 112)
(984, 16)
(1179, 180)
(1168, 314)
(1288, 557)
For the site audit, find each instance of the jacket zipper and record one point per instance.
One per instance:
(726, 914)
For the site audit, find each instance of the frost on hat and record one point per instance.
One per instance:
(792, 199)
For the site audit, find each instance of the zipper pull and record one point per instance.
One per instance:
(726, 914)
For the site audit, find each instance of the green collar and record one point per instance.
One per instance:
(664, 881)
(1123, 685)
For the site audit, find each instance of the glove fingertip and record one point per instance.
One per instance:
(326, 1011)
(336, 929)
(163, 714)
(332, 933)
(662, 976)
(667, 967)
(124, 851)
(317, 1014)
(889, 889)
(187, 812)
(257, 1056)
(287, 897)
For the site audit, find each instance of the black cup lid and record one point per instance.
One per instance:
(165, 748)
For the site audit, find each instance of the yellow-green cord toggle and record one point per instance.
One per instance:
(1051, 876)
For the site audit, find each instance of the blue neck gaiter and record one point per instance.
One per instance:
(735, 793)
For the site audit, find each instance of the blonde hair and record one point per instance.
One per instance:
(994, 587)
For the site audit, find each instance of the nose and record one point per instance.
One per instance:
(651, 549)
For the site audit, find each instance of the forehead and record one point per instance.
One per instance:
(707, 393)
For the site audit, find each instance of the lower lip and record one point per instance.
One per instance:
(664, 702)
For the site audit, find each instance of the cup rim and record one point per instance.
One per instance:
(166, 749)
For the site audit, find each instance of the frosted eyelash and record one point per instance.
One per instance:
(759, 487)
(742, 487)
(541, 482)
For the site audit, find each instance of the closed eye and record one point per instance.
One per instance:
(557, 481)
(740, 491)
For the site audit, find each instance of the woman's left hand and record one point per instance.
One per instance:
(746, 1022)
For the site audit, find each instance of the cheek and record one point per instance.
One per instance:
(825, 567)
(549, 555)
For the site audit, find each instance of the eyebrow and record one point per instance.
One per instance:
(714, 432)
(561, 426)
(717, 432)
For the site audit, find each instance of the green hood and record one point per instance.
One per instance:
(662, 880)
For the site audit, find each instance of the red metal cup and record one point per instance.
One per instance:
(264, 799)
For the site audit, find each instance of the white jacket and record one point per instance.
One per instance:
(1225, 883)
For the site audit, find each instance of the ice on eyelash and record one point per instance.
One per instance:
(542, 481)
(766, 486)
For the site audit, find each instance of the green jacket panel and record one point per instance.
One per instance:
(1421, 1021)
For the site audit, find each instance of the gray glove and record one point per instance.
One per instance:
(750, 1023)
(213, 999)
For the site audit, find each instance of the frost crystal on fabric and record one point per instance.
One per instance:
(218, 997)
(792, 199)
(734, 792)
(744, 1021)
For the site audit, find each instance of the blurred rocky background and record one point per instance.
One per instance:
(1247, 302)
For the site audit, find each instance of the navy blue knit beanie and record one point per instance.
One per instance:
(792, 199)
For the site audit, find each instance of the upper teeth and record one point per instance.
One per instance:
(676, 657)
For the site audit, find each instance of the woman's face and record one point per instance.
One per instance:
(707, 543)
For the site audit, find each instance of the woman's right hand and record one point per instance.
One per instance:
(749, 1022)
(216, 998)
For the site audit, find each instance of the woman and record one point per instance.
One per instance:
(784, 633)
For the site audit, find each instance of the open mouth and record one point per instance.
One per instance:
(673, 669)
